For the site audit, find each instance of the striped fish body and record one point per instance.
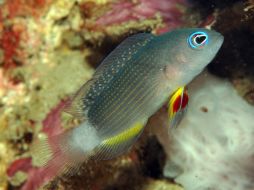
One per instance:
(131, 92)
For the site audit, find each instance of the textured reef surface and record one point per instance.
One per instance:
(49, 48)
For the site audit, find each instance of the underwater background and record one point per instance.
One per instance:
(49, 48)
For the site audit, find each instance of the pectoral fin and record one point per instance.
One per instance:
(177, 106)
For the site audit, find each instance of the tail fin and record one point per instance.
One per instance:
(54, 156)
(65, 152)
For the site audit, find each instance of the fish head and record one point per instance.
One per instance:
(190, 50)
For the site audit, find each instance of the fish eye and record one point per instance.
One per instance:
(198, 40)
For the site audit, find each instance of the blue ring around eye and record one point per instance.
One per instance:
(197, 33)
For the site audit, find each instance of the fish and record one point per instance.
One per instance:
(127, 88)
(177, 107)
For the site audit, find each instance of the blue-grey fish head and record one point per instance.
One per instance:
(189, 50)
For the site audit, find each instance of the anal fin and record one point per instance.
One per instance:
(118, 144)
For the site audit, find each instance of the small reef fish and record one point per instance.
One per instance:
(177, 106)
(129, 86)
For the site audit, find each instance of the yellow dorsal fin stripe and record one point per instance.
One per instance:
(125, 135)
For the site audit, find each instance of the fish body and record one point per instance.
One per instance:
(130, 85)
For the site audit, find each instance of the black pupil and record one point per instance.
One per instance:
(200, 39)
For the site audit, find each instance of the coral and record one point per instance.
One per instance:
(212, 147)
(37, 79)
(5, 155)
(52, 123)
(13, 29)
(126, 11)
(17, 8)
(22, 164)
(104, 20)
(9, 43)
(35, 175)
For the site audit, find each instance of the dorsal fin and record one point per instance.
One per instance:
(124, 51)
(75, 105)
(110, 66)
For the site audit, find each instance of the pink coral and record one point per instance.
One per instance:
(52, 123)
(22, 164)
(35, 176)
(124, 11)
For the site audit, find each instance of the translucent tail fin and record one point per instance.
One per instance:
(65, 152)
(55, 156)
